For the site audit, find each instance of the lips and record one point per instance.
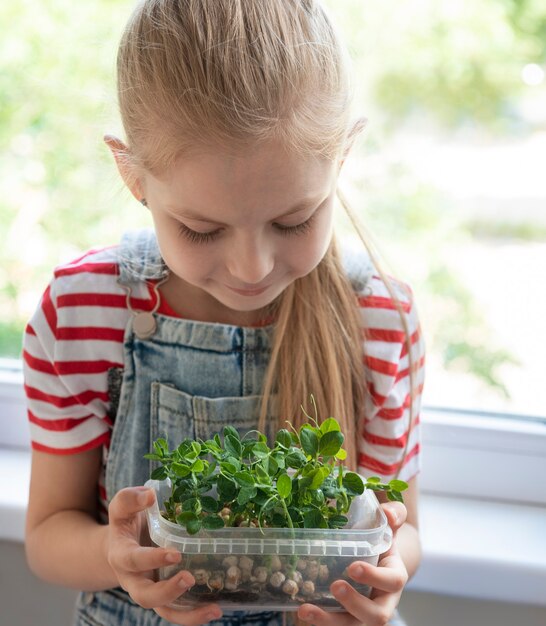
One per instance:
(249, 292)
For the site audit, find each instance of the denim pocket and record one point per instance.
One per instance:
(176, 414)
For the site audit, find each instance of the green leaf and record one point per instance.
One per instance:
(228, 467)
(180, 470)
(330, 443)
(227, 489)
(229, 431)
(317, 477)
(283, 438)
(212, 522)
(394, 496)
(398, 485)
(153, 457)
(309, 441)
(337, 521)
(161, 447)
(353, 483)
(210, 505)
(198, 466)
(260, 450)
(329, 425)
(186, 517)
(245, 479)
(295, 459)
(233, 446)
(313, 519)
(210, 469)
(341, 455)
(373, 479)
(160, 473)
(246, 495)
(194, 526)
(284, 486)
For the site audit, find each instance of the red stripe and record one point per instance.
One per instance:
(398, 442)
(49, 310)
(38, 364)
(414, 339)
(381, 366)
(30, 331)
(380, 302)
(383, 334)
(403, 373)
(69, 367)
(396, 413)
(84, 367)
(377, 398)
(62, 402)
(95, 443)
(89, 268)
(90, 332)
(102, 493)
(370, 463)
(90, 253)
(63, 424)
(110, 300)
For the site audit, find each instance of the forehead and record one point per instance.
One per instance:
(267, 176)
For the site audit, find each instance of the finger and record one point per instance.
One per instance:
(139, 559)
(313, 615)
(396, 514)
(375, 612)
(195, 617)
(128, 502)
(150, 594)
(391, 577)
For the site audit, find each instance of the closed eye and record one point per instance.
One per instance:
(196, 237)
(298, 229)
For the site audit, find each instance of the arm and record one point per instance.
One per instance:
(66, 545)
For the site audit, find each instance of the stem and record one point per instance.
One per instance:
(288, 518)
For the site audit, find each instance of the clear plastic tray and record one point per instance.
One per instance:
(250, 569)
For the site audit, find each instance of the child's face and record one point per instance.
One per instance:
(236, 231)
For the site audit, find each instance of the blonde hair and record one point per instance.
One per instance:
(195, 74)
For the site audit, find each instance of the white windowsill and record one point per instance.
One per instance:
(481, 549)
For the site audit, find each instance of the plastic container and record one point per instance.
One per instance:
(248, 568)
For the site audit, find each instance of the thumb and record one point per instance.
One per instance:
(396, 514)
(128, 502)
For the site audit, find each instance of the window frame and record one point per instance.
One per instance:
(473, 454)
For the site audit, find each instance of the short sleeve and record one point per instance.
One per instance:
(388, 446)
(67, 396)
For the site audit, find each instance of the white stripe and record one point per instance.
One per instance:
(78, 436)
(47, 411)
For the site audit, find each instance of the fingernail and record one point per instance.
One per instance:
(172, 557)
(142, 498)
(358, 570)
(212, 615)
(188, 580)
(310, 615)
(341, 590)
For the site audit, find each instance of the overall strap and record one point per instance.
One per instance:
(139, 257)
(358, 267)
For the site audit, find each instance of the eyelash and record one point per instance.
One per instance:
(285, 231)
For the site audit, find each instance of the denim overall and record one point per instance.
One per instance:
(188, 379)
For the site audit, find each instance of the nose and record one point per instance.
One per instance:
(250, 261)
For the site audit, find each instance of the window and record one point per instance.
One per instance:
(447, 176)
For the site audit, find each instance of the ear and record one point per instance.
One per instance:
(355, 131)
(121, 155)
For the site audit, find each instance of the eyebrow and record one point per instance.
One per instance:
(300, 206)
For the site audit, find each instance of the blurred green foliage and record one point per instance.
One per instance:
(445, 64)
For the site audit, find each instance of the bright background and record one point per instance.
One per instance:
(449, 175)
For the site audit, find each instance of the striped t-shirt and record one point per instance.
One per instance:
(76, 336)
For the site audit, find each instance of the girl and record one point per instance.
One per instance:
(233, 310)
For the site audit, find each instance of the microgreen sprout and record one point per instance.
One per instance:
(299, 482)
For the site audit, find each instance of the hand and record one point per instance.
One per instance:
(133, 564)
(387, 580)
